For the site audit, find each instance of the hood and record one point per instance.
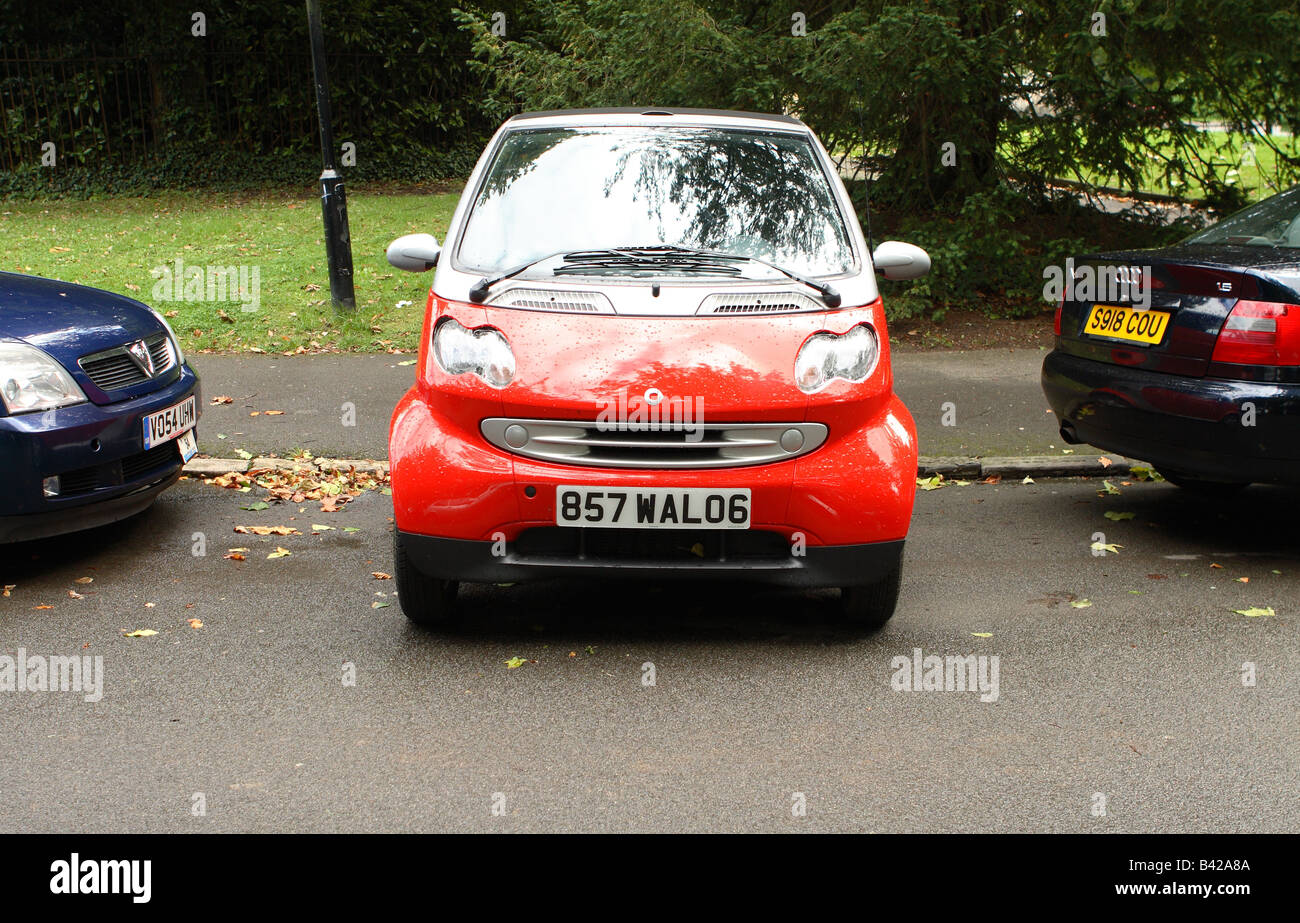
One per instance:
(69, 321)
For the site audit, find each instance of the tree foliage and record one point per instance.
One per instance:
(941, 98)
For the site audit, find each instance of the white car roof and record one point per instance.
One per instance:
(717, 118)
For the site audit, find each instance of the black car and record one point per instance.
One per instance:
(1191, 361)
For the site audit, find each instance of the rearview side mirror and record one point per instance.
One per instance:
(899, 262)
(414, 252)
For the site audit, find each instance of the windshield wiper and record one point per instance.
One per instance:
(650, 259)
(478, 292)
(667, 253)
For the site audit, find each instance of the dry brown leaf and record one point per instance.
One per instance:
(267, 530)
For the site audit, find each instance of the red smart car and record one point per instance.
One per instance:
(654, 348)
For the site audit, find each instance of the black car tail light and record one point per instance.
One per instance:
(1260, 333)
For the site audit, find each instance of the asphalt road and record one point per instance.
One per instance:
(997, 406)
(1137, 698)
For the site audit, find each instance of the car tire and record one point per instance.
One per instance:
(1202, 486)
(867, 608)
(425, 600)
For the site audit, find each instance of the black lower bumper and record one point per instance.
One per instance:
(488, 562)
(89, 515)
(1209, 428)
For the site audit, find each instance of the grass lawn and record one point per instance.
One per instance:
(115, 243)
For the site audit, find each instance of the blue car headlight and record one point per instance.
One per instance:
(30, 379)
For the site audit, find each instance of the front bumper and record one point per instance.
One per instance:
(539, 558)
(856, 489)
(1211, 428)
(102, 447)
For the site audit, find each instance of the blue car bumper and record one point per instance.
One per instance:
(98, 453)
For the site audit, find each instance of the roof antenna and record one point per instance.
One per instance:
(862, 165)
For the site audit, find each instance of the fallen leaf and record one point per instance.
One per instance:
(273, 413)
(1102, 546)
(1108, 489)
(1255, 611)
(140, 633)
(234, 556)
(279, 553)
(316, 527)
(267, 530)
(1080, 603)
(380, 575)
(379, 605)
(514, 662)
(9, 587)
(243, 454)
(224, 316)
(221, 399)
(1243, 580)
(84, 580)
(930, 483)
(1143, 473)
(195, 623)
(1117, 516)
(72, 594)
(993, 479)
(982, 634)
(1219, 566)
(256, 507)
(150, 605)
(1027, 480)
(1105, 462)
(42, 607)
(407, 362)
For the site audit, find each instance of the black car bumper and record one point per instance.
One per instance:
(1209, 428)
(651, 554)
(31, 526)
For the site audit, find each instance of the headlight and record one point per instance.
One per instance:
(30, 380)
(176, 343)
(827, 356)
(483, 351)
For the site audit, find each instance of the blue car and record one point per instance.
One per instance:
(97, 407)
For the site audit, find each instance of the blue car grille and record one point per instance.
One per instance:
(114, 369)
(124, 471)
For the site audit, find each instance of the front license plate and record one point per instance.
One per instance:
(1120, 323)
(652, 507)
(167, 424)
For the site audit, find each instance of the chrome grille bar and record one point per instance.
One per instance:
(676, 445)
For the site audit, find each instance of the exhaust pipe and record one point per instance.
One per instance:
(1068, 434)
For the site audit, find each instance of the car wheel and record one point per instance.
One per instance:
(869, 607)
(1202, 486)
(424, 600)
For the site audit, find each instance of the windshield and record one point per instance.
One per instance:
(743, 192)
(1275, 222)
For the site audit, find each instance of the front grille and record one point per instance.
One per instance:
(116, 473)
(540, 299)
(754, 303)
(114, 369)
(652, 545)
(702, 445)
